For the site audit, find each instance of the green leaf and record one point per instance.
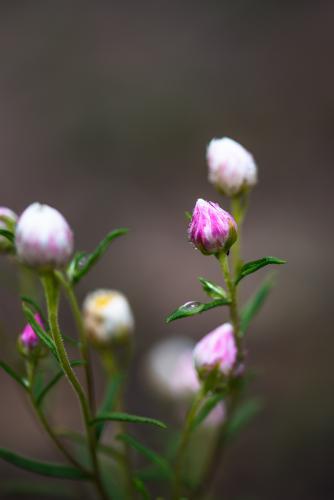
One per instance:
(188, 215)
(141, 488)
(147, 452)
(109, 400)
(82, 262)
(43, 468)
(8, 235)
(242, 416)
(193, 308)
(207, 408)
(127, 417)
(255, 303)
(54, 380)
(81, 440)
(14, 375)
(44, 337)
(28, 300)
(253, 266)
(212, 289)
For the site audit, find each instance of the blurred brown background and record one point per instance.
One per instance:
(106, 110)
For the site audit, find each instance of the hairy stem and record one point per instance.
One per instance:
(51, 290)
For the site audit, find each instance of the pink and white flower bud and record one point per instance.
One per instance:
(107, 317)
(216, 351)
(43, 237)
(28, 337)
(8, 220)
(232, 168)
(212, 229)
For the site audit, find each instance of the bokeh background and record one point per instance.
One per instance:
(106, 111)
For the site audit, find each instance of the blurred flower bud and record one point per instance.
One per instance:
(43, 237)
(212, 229)
(108, 317)
(28, 338)
(8, 220)
(231, 167)
(217, 351)
(170, 369)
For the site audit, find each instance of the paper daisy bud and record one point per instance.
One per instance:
(43, 237)
(232, 168)
(107, 317)
(211, 229)
(217, 351)
(28, 338)
(7, 221)
(170, 369)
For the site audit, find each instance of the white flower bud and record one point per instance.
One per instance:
(107, 317)
(231, 167)
(43, 237)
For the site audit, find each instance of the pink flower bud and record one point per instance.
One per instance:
(216, 351)
(212, 230)
(231, 167)
(7, 221)
(43, 237)
(28, 337)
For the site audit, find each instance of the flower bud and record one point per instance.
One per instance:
(107, 317)
(170, 369)
(43, 237)
(217, 351)
(211, 230)
(28, 338)
(232, 168)
(7, 221)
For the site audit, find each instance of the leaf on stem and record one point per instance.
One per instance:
(254, 265)
(127, 417)
(82, 262)
(12, 373)
(242, 416)
(44, 337)
(212, 289)
(8, 235)
(141, 488)
(194, 308)
(108, 402)
(31, 302)
(147, 452)
(41, 395)
(43, 468)
(210, 403)
(255, 303)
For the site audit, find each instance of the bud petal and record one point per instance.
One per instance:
(216, 351)
(28, 337)
(43, 237)
(211, 230)
(231, 167)
(107, 316)
(8, 220)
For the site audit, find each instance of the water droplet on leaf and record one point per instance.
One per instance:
(189, 306)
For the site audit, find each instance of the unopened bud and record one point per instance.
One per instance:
(216, 352)
(232, 168)
(43, 237)
(212, 229)
(28, 338)
(107, 317)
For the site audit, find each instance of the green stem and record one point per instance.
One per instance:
(84, 347)
(234, 315)
(184, 441)
(238, 210)
(51, 290)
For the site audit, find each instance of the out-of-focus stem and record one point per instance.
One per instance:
(238, 210)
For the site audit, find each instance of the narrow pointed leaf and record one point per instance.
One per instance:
(255, 303)
(83, 262)
(147, 452)
(212, 289)
(31, 302)
(13, 374)
(81, 440)
(8, 235)
(44, 337)
(194, 308)
(54, 380)
(141, 488)
(207, 408)
(242, 416)
(109, 401)
(127, 417)
(43, 468)
(255, 265)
